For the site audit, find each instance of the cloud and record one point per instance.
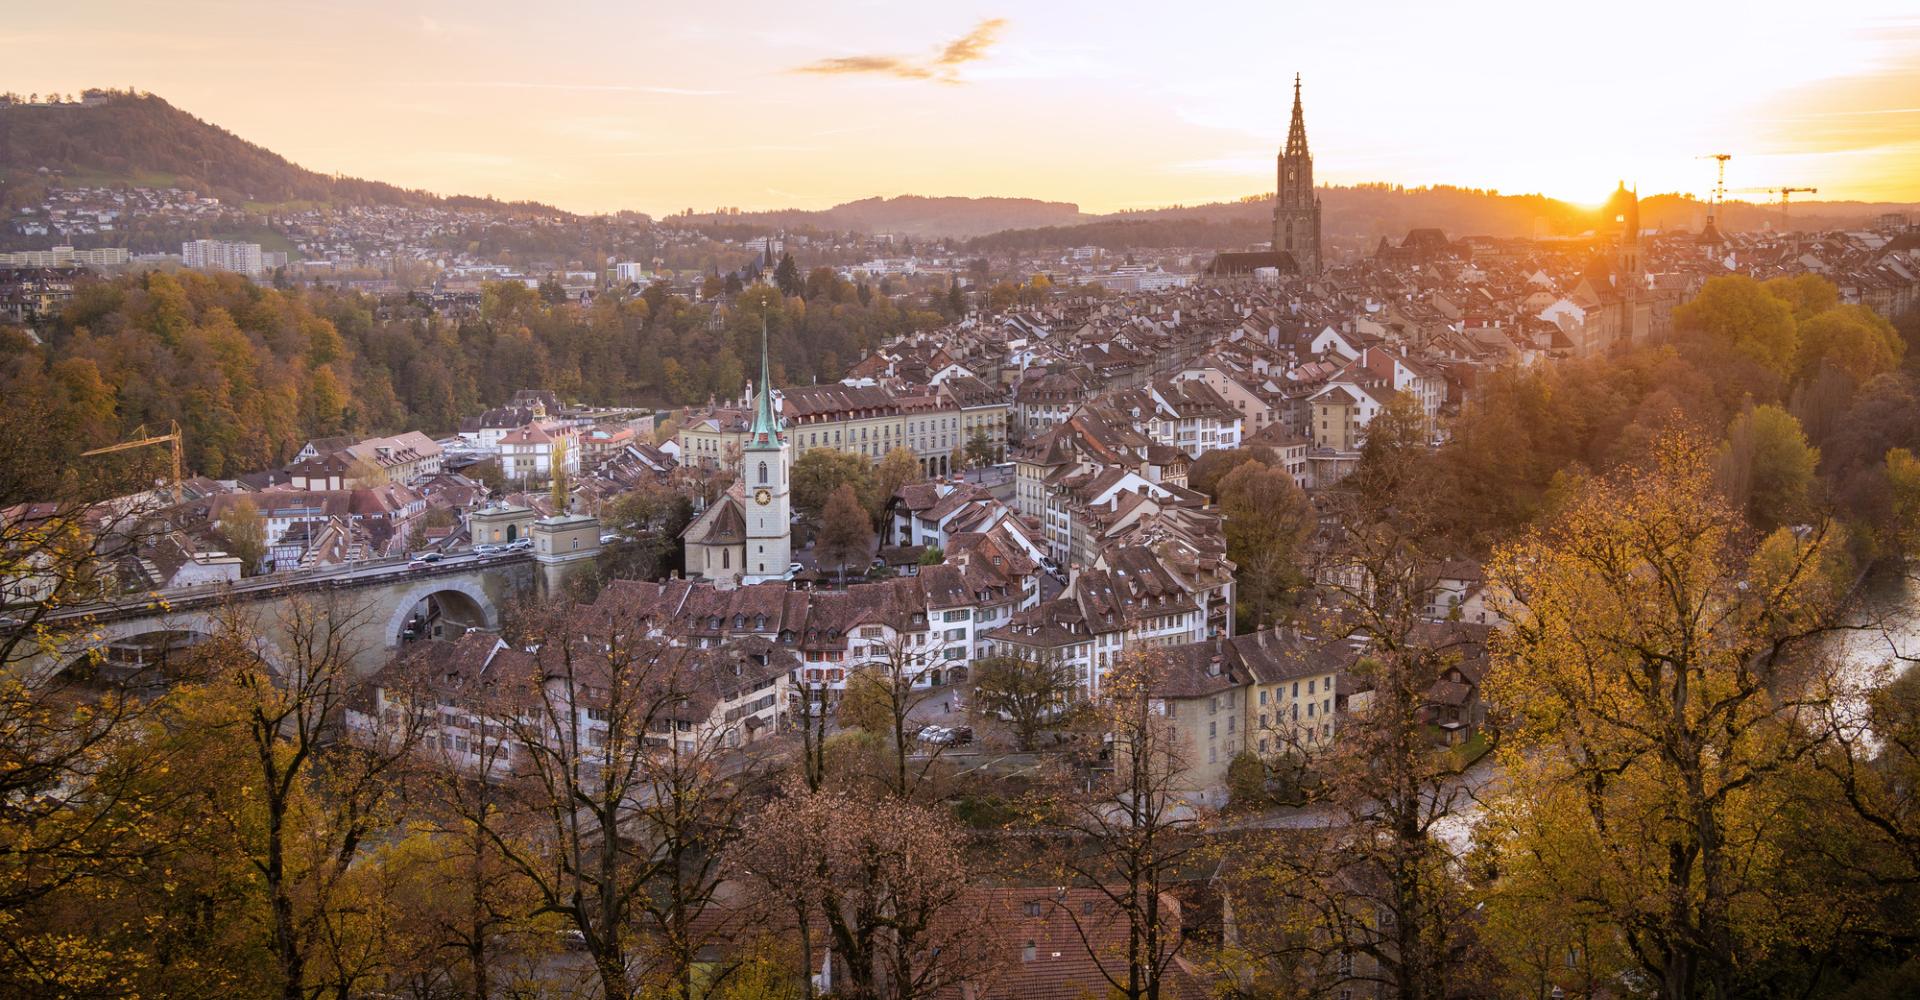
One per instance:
(973, 46)
(942, 66)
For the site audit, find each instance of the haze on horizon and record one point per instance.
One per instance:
(601, 106)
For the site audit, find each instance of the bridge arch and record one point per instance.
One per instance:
(202, 624)
(466, 598)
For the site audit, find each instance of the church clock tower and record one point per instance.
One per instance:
(1296, 209)
(765, 464)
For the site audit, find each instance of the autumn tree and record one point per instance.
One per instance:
(244, 532)
(1853, 339)
(882, 694)
(845, 533)
(1657, 700)
(1735, 312)
(889, 880)
(819, 472)
(318, 794)
(898, 467)
(78, 771)
(580, 782)
(1374, 896)
(1266, 519)
(1206, 471)
(1137, 830)
(1029, 693)
(1767, 466)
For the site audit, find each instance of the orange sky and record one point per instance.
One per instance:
(1111, 105)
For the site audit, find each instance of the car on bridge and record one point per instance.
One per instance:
(423, 561)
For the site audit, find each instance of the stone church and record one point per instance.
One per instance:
(1296, 208)
(1296, 215)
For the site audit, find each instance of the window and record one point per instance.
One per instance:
(1027, 953)
(1309, 710)
(1296, 689)
(1212, 729)
(763, 473)
(1033, 907)
(1309, 687)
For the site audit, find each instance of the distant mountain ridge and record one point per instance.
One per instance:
(123, 137)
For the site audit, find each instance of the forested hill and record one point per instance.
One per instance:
(141, 139)
(252, 372)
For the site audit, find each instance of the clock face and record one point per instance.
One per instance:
(763, 496)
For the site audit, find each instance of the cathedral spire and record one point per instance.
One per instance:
(766, 423)
(1297, 132)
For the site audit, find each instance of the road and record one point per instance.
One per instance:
(356, 574)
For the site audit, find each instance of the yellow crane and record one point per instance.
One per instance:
(172, 437)
(1786, 197)
(1719, 184)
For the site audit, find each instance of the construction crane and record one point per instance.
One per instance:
(1786, 197)
(1719, 184)
(172, 438)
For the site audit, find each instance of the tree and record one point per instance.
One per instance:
(845, 533)
(616, 824)
(487, 473)
(1768, 467)
(1136, 829)
(1206, 471)
(786, 276)
(1734, 311)
(244, 532)
(956, 299)
(980, 452)
(1266, 518)
(1657, 701)
(898, 467)
(882, 694)
(561, 489)
(318, 796)
(887, 878)
(1374, 896)
(1903, 475)
(1852, 338)
(819, 472)
(1028, 693)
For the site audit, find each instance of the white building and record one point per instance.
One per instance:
(220, 255)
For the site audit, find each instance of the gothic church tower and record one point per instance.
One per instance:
(1296, 209)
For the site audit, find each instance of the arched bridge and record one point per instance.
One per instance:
(389, 602)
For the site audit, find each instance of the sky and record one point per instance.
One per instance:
(595, 106)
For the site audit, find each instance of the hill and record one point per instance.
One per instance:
(913, 216)
(123, 137)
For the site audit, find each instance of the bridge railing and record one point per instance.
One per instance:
(198, 597)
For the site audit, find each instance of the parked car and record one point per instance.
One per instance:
(488, 550)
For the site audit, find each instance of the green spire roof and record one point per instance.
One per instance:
(766, 423)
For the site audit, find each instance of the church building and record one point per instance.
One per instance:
(1296, 208)
(746, 536)
(1296, 217)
